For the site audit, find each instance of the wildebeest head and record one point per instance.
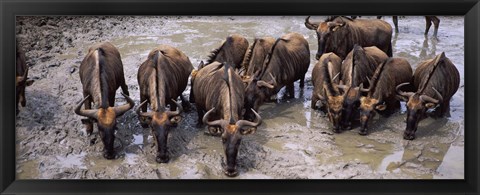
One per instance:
(106, 121)
(256, 92)
(160, 123)
(368, 105)
(351, 101)
(334, 102)
(417, 105)
(324, 31)
(232, 137)
(20, 83)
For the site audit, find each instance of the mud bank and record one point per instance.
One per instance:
(293, 142)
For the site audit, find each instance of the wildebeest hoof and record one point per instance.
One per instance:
(164, 159)
(109, 155)
(363, 132)
(409, 137)
(230, 173)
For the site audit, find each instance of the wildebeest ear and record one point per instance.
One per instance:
(381, 107)
(430, 105)
(201, 65)
(30, 82)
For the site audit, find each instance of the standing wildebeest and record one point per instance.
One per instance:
(162, 79)
(358, 66)
(428, 23)
(220, 90)
(21, 80)
(101, 74)
(287, 62)
(340, 34)
(381, 93)
(436, 80)
(329, 63)
(256, 54)
(232, 51)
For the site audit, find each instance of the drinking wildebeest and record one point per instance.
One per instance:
(101, 74)
(436, 81)
(232, 50)
(381, 94)
(256, 54)
(339, 35)
(162, 79)
(220, 90)
(286, 63)
(330, 64)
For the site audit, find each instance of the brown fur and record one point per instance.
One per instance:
(256, 54)
(329, 63)
(344, 32)
(106, 117)
(232, 51)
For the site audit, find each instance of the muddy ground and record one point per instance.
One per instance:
(293, 142)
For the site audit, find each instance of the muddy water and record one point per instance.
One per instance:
(293, 142)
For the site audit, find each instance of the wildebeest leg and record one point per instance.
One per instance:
(443, 110)
(173, 107)
(142, 120)
(428, 24)
(436, 24)
(88, 122)
(314, 101)
(200, 114)
(302, 81)
(124, 87)
(290, 90)
(395, 22)
(185, 104)
(23, 101)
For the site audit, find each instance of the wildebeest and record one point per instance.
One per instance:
(381, 94)
(428, 23)
(286, 63)
(21, 79)
(162, 79)
(256, 54)
(220, 91)
(329, 64)
(340, 34)
(232, 50)
(101, 74)
(358, 66)
(436, 81)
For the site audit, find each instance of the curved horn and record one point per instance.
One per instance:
(119, 110)
(242, 123)
(273, 79)
(426, 98)
(219, 122)
(335, 77)
(401, 93)
(144, 114)
(262, 83)
(86, 113)
(175, 113)
(310, 25)
(363, 89)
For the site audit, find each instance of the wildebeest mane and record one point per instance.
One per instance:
(103, 78)
(332, 18)
(270, 54)
(214, 53)
(328, 79)
(376, 77)
(248, 55)
(430, 70)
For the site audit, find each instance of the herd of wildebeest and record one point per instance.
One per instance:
(355, 75)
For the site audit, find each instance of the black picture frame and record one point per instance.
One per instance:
(10, 9)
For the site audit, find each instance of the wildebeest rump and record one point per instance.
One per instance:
(287, 62)
(101, 74)
(358, 66)
(220, 91)
(436, 81)
(21, 79)
(340, 34)
(162, 79)
(232, 51)
(256, 54)
(381, 94)
(329, 63)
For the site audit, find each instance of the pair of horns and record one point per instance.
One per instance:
(93, 113)
(423, 98)
(169, 113)
(223, 123)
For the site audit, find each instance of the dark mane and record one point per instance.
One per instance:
(248, 55)
(103, 78)
(328, 79)
(332, 18)
(269, 57)
(375, 77)
(214, 53)
(430, 71)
